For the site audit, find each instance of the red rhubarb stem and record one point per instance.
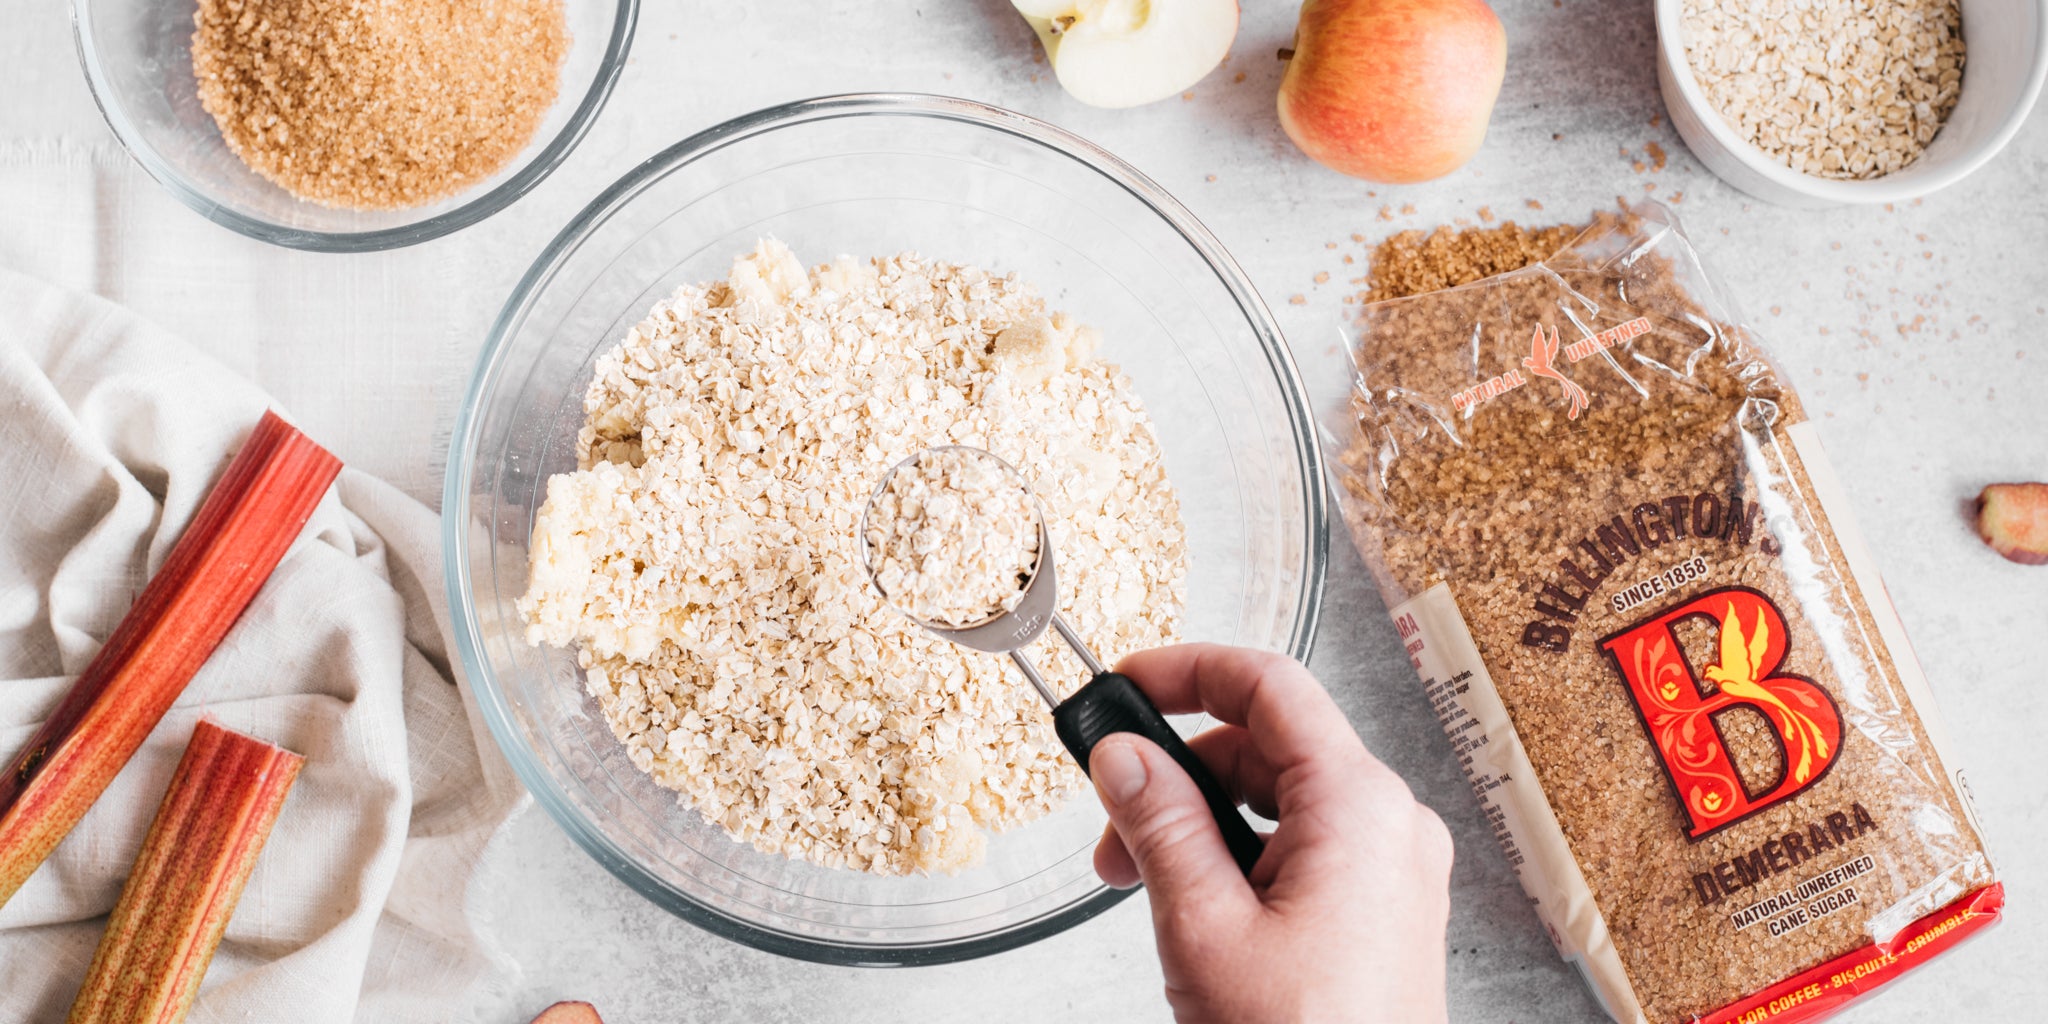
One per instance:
(194, 862)
(237, 538)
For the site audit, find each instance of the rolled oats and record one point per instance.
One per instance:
(704, 560)
(952, 537)
(1833, 88)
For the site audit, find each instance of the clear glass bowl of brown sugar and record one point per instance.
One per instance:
(138, 58)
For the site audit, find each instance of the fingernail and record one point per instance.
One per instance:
(1118, 771)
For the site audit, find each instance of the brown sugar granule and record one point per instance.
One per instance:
(1411, 263)
(1564, 455)
(1658, 157)
(377, 104)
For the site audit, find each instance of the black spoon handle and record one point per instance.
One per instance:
(1111, 703)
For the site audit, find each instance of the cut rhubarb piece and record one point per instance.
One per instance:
(569, 1013)
(2013, 519)
(238, 536)
(198, 854)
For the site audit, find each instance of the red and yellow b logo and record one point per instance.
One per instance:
(1680, 716)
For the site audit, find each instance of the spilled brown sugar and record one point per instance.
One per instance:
(378, 104)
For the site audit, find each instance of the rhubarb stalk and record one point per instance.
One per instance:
(240, 533)
(182, 890)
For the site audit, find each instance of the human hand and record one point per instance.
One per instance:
(1343, 917)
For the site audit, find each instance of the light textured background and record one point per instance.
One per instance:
(1915, 335)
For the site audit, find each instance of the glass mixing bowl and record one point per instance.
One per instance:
(874, 175)
(137, 56)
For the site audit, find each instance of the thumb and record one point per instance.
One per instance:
(1165, 824)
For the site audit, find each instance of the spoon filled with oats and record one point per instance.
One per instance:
(954, 540)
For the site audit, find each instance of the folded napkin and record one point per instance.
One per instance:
(362, 905)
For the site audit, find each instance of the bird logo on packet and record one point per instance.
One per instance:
(1542, 361)
(1751, 645)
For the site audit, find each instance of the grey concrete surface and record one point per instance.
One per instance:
(1915, 335)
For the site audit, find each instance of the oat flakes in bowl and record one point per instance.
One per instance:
(951, 536)
(876, 175)
(1888, 100)
(704, 561)
(1838, 90)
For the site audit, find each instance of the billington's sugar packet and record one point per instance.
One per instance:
(1628, 580)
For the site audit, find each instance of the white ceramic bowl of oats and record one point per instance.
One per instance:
(1730, 90)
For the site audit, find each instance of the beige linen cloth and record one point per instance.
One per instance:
(361, 907)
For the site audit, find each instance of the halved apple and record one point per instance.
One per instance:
(1122, 53)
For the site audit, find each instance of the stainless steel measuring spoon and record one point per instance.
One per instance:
(1109, 703)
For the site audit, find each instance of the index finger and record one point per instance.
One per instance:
(1291, 718)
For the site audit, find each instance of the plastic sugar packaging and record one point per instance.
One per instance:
(1627, 577)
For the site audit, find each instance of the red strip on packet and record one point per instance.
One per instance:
(1829, 988)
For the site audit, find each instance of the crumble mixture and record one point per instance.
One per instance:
(705, 564)
(953, 537)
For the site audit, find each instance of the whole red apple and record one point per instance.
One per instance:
(1393, 90)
